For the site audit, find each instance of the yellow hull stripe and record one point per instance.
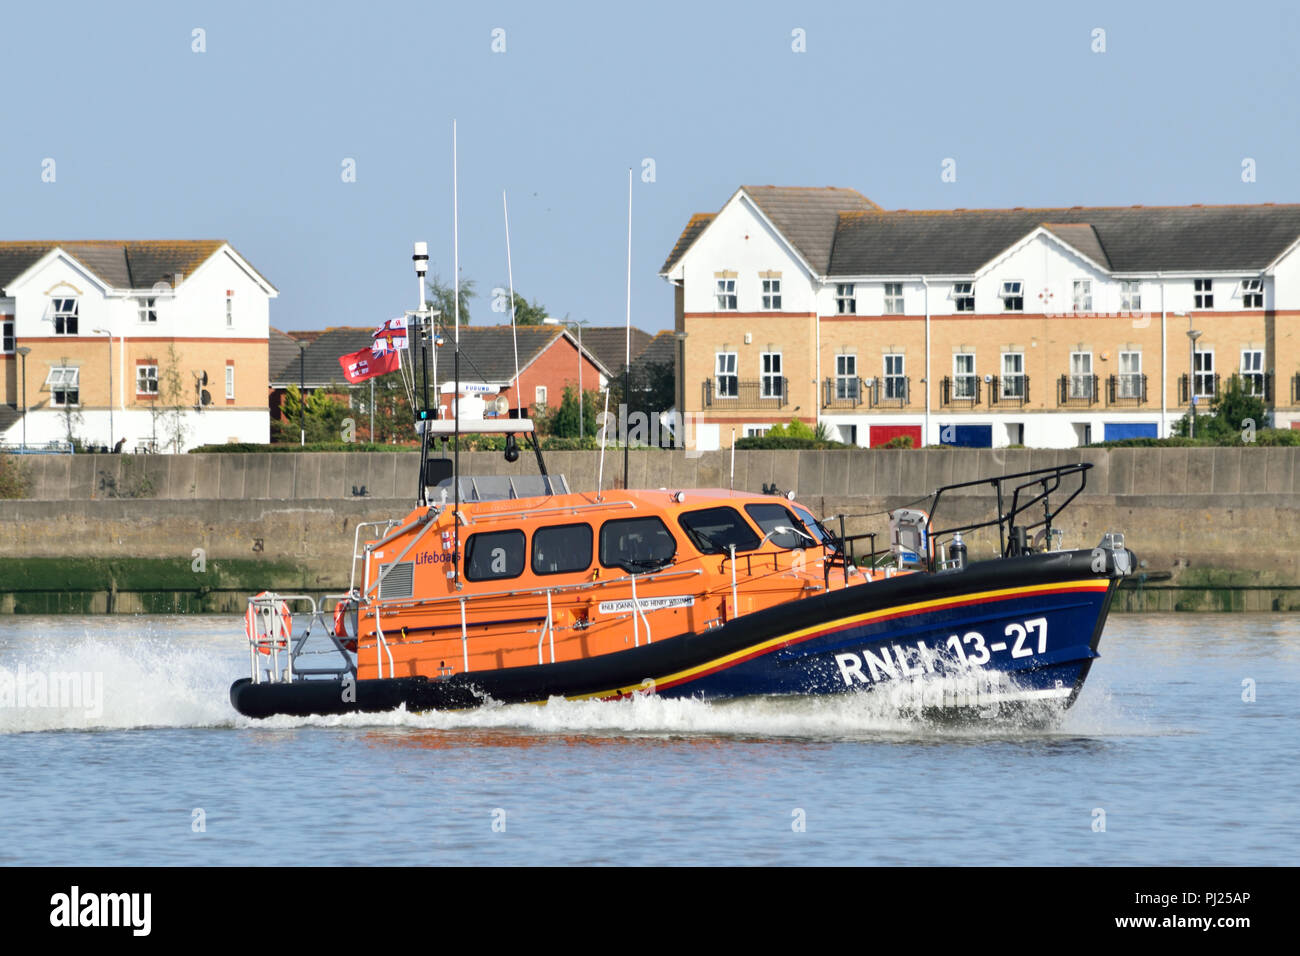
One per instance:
(898, 610)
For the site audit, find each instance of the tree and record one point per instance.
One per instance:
(526, 313)
(442, 297)
(562, 421)
(169, 405)
(1228, 415)
(394, 421)
(323, 422)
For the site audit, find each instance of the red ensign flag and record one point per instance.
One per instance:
(365, 364)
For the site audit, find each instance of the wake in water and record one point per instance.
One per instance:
(129, 681)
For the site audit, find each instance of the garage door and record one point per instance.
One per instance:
(1116, 431)
(880, 434)
(966, 436)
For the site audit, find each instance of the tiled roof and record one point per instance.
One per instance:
(1126, 238)
(807, 216)
(486, 354)
(660, 351)
(688, 236)
(282, 356)
(120, 263)
(1081, 237)
(608, 343)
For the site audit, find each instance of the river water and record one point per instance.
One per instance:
(1163, 760)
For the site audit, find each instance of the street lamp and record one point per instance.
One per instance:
(302, 393)
(582, 432)
(1192, 335)
(24, 351)
(110, 382)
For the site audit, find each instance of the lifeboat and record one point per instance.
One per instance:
(708, 593)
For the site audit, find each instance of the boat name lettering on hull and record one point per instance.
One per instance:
(646, 604)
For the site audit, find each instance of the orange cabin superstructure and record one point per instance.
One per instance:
(573, 576)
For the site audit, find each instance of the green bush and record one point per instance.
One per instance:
(899, 441)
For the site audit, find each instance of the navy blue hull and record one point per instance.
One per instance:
(1008, 632)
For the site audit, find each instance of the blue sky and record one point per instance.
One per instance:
(246, 141)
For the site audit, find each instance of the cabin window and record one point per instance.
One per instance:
(565, 547)
(636, 544)
(813, 525)
(493, 555)
(715, 530)
(769, 517)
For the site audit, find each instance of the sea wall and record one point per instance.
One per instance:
(836, 474)
(1215, 528)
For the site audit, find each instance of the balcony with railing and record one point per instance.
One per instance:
(843, 392)
(1257, 384)
(960, 391)
(1010, 390)
(1077, 391)
(1207, 388)
(890, 391)
(1127, 388)
(726, 392)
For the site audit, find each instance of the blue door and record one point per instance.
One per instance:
(1118, 430)
(966, 436)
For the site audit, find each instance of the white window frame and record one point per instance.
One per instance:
(725, 295)
(1252, 293)
(539, 395)
(143, 378)
(770, 374)
(1253, 376)
(846, 377)
(230, 382)
(1203, 293)
(963, 296)
(1081, 375)
(1129, 384)
(895, 377)
(146, 308)
(1082, 295)
(1013, 295)
(724, 368)
(230, 311)
(1014, 378)
(1203, 374)
(755, 431)
(894, 301)
(61, 380)
(846, 300)
(60, 314)
(963, 381)
(771, 294)
(1130, 295)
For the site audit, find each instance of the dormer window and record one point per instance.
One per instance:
(963, 296)
(1203, 293)
(1252, 293)
(65, 316)
(1013, 296)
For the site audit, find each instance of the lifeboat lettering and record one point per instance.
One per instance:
(646, 604)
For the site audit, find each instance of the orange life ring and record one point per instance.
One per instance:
(254, 631)
(341, 624)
